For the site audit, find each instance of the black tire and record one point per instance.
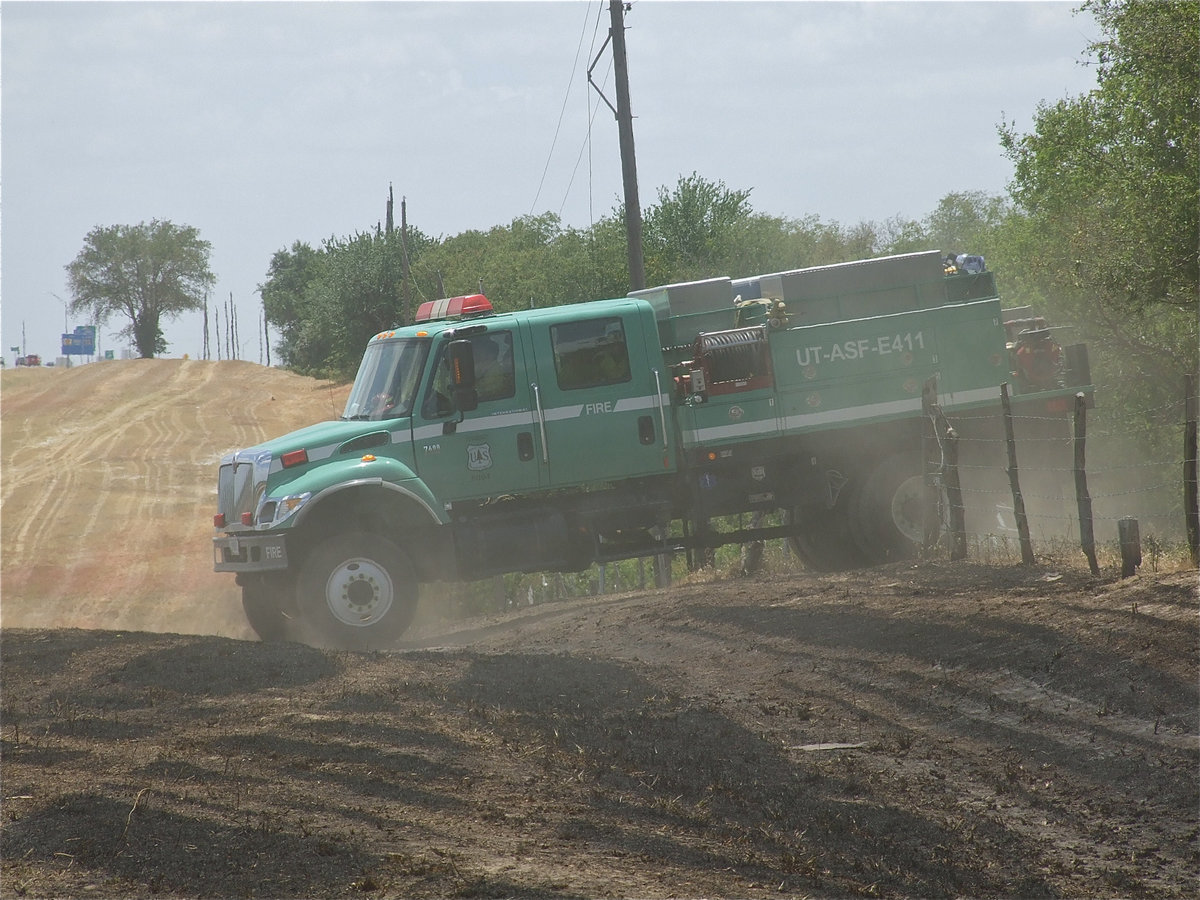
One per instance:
(264, 599)
(356, 591)
(825, 542)
(888, 517)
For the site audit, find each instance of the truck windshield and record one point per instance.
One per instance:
(387, 380)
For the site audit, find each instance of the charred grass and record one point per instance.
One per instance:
(165, 765)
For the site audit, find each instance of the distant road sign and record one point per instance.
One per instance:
(81, 343)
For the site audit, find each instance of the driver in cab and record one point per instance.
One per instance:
(493, 378)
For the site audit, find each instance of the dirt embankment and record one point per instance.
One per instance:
(929, 730)
(109, 487)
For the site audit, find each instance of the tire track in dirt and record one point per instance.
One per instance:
(48, 473)
(109, 478)
(159, 432)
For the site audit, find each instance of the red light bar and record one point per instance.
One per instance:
(454, 308)
(294, 458)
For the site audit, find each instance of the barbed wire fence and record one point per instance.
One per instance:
(1067, 501)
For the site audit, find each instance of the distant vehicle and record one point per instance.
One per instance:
(31, 360)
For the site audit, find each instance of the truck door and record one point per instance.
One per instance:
(491, 451)
(599, 396)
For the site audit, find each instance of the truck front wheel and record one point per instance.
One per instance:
(356, 591)
(265, 601)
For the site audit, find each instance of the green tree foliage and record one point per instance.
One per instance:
(693, 229)
(1107, 191)
(532, 261)
(327, 303)
(357, 295)
(1105, 229)
(143, 273)
(287, 297)
(964, 222)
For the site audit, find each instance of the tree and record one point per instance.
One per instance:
(964, 221)
(285, 296)
(1107, 205)
(1106, 184)
(692, 227)
(143, 272)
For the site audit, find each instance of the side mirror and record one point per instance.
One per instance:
(462, 375)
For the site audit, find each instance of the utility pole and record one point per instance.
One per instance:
(633, 208)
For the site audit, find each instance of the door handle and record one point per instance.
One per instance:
(662, 410)
(537, 403)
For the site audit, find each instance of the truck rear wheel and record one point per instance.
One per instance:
(356, 591)
(888, 516)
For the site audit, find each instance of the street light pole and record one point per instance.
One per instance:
(66, 327)
(64, 303)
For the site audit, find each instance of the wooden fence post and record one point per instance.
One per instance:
(1083, 500)
(1131, 545)
(958, 527)
(947, 440)
(1190, 503)
(1013, 480)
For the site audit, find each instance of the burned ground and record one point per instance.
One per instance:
(928, 730)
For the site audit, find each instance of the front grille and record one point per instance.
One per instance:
(241, 484)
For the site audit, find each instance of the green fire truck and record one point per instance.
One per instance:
(475, 443)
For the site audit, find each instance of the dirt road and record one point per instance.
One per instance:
(929, 730)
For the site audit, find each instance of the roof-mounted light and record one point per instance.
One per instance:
(454, 308)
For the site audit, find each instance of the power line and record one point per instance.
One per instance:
(561, 113)
(585, 146)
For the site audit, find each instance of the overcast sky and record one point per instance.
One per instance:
(266, 123)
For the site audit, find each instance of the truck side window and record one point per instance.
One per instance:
(495, 378)
(590, 354)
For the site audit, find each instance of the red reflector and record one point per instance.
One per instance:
(453, 308)
(247, 518)
(219, 520)
(294, 458)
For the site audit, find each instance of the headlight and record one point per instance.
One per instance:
(276, 511)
